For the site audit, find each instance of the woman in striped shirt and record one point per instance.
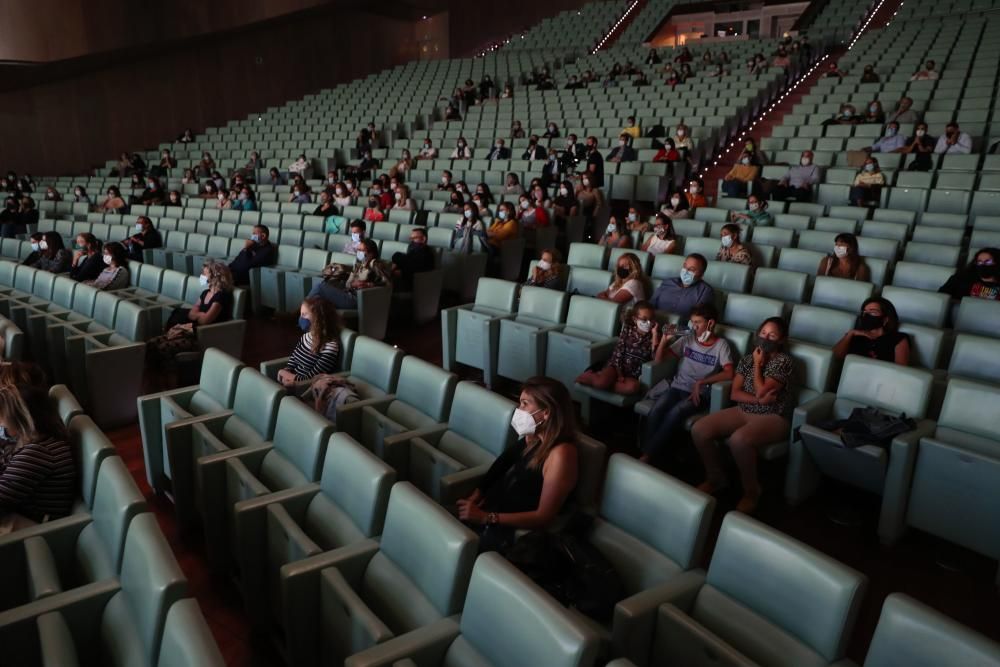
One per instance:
(318, 351)
(38, 482)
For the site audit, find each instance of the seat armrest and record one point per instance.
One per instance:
(635, 616)
(720, 396)
(811, 412)
(424, 646)
(898, 480)
(396, 448)
(652, 372)
(70, 525)
(349, 415)
(93, 596)
(270, 368)
(298, 493)
(461, 484)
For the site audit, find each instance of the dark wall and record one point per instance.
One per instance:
(474, 23)
(75, 123)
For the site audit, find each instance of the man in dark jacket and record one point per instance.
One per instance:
(258, 251)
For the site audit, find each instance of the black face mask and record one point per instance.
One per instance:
(987, 270)
(766, 345)
(414, 247)
(623, 272)
(870, 322)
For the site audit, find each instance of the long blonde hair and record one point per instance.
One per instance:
(219, 277)
(560, 426)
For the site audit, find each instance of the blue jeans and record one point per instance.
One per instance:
(667, 416)
(339, 297)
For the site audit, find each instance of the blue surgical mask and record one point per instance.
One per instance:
(203, 280)
(355, 237)
(869, 167)
(687, 277)
(891, 132)
(305, 324)
(468, 214)
(360, 255)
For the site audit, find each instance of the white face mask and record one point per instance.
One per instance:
(138, 228)
(644, 325)
(255, 238)
(36, 247)
(727, 241)
(840, 251)
(523, 422)
(745, 161)
(340, 191)
(502, 215)
(203, 280)
(704, 336)
(680, 133)
(586, 183)
(444, 180)
(611, 229)
(563, 191)
(920, 133)
(467, 214)
(355, 237)
(805, 162)
(632, 217)
(107, 260)
(675, 201)
(360, 255)
(525, 205)
(754, 206)
(621, 143)
(543, 265)
(687, 277)
(694, 189)
(399, 196)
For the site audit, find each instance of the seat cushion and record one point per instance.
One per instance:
(394, 598)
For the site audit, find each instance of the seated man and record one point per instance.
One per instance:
(928, 73)
(357, 237)
(953, 141)
(681, 294)
(891, 142)
(417, 259)
(533, 151)
(623, 152)
(798, 182)
(258, 251)
(499, 151)
(904, 112)
(428, 152)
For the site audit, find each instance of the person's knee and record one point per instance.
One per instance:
(742, 443)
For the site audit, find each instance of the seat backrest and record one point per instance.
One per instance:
(430, 546)
(657, 509)
(482, 416)
(151, 582)
(219, 375)
(376, 363)
(800, 259)
(823, 326)
(130, 321)
(595, 316)
(587, 255)
(728, 277)
(187, 639)
(911, 633)
(667, 266)
(116, 501)
(358, 482)
(537, 629)
(427, 387)
(105, 307)
(256, 401)
(543, 304)
(780, 284)
(840, 293)
(925, 345)
(883, 385)
(813, 366)
(300, 436)
(90, 448)
(62, 291)
(918, 306)
(978, 316)
(496, 294)
(802, 591)
(747, 312)
(961, 420)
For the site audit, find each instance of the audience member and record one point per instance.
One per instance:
(629, 284)
(868, 183)
(845, 262)
(876, 334)
(953, 141)
(146, 237)
(981, 278)
(258, 251)
(679, 295)
(340, 286)
(115, 275)
(732, 249)
(318, 349)
(634, 348)
(798, 182)
(418, 258)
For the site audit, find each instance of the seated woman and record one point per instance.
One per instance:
(564, 205)
(53, 255)
(298, 195)
(80, 195)
(616, 235)
(88, 260)
(275, 177)
(115, 274)
(51, 194)
(845, 262)
(457, 203)
(206, 166)
(733, 250)
(668, 152)
(318, 350)
(531, 213)
(300, 165)
(402, 166)
(174, 199)
(547, 271)
(630, 284)
(704, 359)
(341, 288)
(663, 240)
(211, 191)
(470, 232)
(372, 211)
(742, 174)
(484, 208)
(874, 113)
(756, 213)
(981, 278)
(341, 196)
(326, 206)
(114, 203)
(146, 237)
(403, 200)
(38, 478)
(215, 305)
(512, 186)
(528, 485)
(695, 198)
(760, 416)
(461, 150)
(36, 250)
(876, 334)
(633, 349)
(676, 208)
(868, 183)
(503, 228)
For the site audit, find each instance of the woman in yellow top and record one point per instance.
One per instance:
(734, 184)
(631, 128)
(503, 227)
(868, 184)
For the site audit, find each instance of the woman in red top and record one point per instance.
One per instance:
(668, 153)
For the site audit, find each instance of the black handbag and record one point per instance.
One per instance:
(870, 426)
